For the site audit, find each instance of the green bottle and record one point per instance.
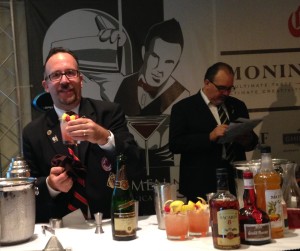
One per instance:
(123, 218)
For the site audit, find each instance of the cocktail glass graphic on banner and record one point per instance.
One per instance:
(145, 126)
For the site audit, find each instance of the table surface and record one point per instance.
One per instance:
(82, 237)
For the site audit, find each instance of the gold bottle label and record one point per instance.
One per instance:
(125, 224)
(228, 227)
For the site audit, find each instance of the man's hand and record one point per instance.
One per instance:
(59, 180)
(84, 129)
(218, 132)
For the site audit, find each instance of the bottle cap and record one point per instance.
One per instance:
(265, 149)
(247, 174)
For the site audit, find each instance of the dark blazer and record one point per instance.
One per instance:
(190, 124)
(42, 141)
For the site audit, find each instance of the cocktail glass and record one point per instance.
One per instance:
(145, 126)
(198, 222)
(67, 140)
(177, 225)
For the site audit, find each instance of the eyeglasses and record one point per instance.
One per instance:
(222, 87)
(57, 75)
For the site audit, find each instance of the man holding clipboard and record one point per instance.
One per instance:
(198, 126)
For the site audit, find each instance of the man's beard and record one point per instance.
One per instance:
(69, 100)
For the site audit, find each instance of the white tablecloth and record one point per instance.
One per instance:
(83, 238)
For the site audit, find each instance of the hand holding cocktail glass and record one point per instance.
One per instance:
(75, 129)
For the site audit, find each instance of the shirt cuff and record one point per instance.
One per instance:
(110, 144)
(53, 193)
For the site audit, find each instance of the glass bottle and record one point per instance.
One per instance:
(224, 210)
(285, 222)
(123, 217)
(254, 223)
(268, 191)
(290, 188)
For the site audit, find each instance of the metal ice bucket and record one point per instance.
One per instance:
(17, 209)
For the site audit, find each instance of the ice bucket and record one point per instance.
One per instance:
(17, 209)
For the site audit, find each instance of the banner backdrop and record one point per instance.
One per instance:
(260, 39)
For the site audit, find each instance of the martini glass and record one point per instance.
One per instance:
(145, 126)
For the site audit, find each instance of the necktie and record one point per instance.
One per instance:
(78, 174)
(151, 90)
(223, 116)
(230, 156)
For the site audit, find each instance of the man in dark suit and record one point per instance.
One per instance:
(101, 128)
(195, 129)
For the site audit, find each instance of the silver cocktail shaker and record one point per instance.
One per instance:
(162, 193)
(18, 168)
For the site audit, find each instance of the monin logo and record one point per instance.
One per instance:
(267, 71)
(294, 23)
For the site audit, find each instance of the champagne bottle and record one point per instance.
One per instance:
(269, 194)
(123, 217)
(254, 223)
(224, 210)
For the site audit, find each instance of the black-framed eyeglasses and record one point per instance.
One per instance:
(57, 75)
(222, 87)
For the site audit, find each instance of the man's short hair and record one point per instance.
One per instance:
(55, 50)
(213, 70)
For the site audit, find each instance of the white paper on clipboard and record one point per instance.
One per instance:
(237, 128)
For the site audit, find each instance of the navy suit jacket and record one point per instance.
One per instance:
(42, 141)
(190, 125)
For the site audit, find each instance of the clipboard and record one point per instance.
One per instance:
(237, 128)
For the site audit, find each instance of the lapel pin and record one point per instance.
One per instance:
(54, 139)
(49, 132)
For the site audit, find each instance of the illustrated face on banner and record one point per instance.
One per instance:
(160, 61)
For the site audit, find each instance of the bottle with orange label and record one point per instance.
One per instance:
(268, 191)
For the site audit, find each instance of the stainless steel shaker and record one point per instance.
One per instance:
(18, 168)
(162, 193)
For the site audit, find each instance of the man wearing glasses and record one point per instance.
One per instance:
(101, 130)
(196, 125)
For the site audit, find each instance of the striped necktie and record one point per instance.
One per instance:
(78, 199)
(230, 156)
(223, 116)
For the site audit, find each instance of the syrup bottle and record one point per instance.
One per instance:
(255, 226)
(269, 194)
